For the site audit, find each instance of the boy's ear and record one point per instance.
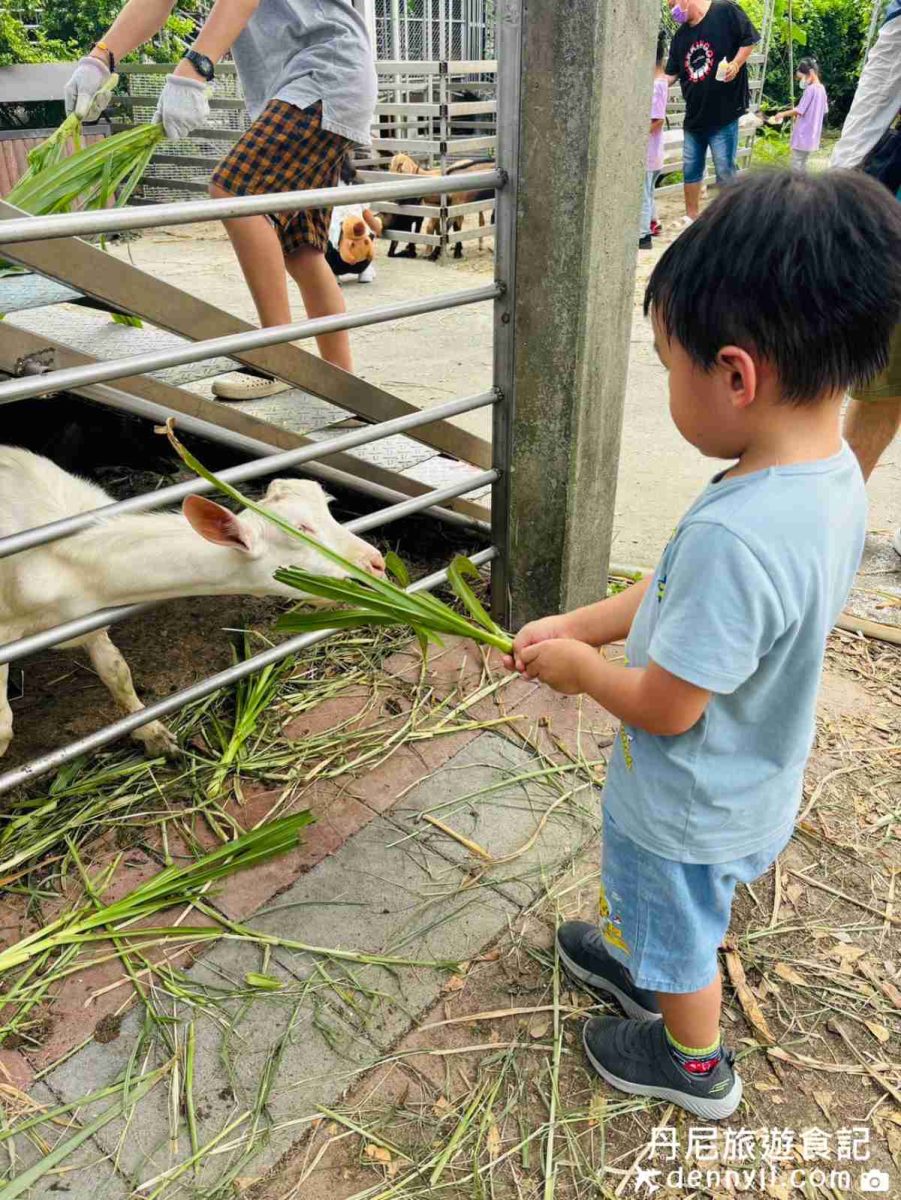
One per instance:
(740, 372)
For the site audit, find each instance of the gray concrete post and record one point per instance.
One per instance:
(573, 135)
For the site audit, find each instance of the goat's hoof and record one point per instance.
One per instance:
(158, 742)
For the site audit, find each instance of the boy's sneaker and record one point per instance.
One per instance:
(646, 242)
(633, 1056)
(656, 229)
(589, 964)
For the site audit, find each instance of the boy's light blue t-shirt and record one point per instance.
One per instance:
(741, 604)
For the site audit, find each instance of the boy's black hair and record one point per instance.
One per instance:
(806, 65)
(662, 46)
(802, 269)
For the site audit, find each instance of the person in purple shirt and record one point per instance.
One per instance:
(809, 114)
(654, 165)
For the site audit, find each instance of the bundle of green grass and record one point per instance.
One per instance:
(95, 176)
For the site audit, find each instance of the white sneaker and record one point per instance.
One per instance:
(238, 385)
(686, 221)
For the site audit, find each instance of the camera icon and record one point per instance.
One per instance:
(874, 1182)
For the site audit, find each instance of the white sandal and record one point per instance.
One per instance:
(238, 385)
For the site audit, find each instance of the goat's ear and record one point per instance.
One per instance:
(216, 524)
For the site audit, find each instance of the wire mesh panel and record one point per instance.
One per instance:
(425, 30)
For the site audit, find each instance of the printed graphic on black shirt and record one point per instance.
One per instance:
(695, 54)
(699, 61)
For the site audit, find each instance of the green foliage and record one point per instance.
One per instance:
(772, 146)
(833, 32)
(17, 46)
(78, 23)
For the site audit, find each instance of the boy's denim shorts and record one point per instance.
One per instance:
(664, 920)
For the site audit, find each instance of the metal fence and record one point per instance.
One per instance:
(93, 379)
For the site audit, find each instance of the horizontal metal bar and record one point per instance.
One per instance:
(464, 66)
(469, 235)
(170, 183)
(69, 630)
(267, 465)
(456, 108)
(158, 360)
(162, 708)
(207, 133)
(185, 160)
(433, 210)
(244, 444)
(408, 110)
(453, 145)
(155, 68)
(136, 100)
(112, 220)
(420, 239)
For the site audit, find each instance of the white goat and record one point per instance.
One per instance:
(203, 551)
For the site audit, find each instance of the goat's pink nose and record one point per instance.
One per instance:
(376, 563)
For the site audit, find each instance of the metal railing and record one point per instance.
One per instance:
(93, 379)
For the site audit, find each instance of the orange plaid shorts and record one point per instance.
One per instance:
(286, 150)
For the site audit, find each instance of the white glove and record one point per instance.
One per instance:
(83, 87)
(184, 105)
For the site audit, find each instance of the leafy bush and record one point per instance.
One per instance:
(69, 27)
(78, 23)
(16, 46)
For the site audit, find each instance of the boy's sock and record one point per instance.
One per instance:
(695, 1061)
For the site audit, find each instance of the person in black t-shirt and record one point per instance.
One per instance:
(716, 91)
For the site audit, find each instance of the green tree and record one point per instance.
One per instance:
(18, 45)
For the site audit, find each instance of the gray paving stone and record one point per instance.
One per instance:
(290, 1038)
(502, 820)
(85, 1174)
(381, 897)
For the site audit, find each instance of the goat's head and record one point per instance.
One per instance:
(264, 547)
(403, 164)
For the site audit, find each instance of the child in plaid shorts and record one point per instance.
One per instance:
(308, 76)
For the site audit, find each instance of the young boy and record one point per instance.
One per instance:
(809, 114)
(307, 70)
(783, 293)
(649, 223)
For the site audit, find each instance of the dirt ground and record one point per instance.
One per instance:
(495, 1074)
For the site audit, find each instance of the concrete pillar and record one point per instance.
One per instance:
(575, 141)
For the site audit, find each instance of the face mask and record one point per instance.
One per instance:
(804, 83)
(679, 15)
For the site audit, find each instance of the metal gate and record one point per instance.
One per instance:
(578, 82)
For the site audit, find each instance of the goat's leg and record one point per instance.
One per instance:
(114, 671)
(6, 713)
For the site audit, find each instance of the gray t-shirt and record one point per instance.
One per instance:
(302, 51)
(741, 604)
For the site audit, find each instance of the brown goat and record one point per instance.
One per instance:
(403, 164)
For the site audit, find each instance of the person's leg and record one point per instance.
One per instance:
(322, 297)
(694, 160)
(874, 413)
(724, 151)
(692, 1019)
(259, 253)
(870, 428)
(799, 159)
(647, 204)
(652, 184)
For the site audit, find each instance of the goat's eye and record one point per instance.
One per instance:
(305, 527)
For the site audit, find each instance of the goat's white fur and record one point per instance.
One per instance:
(203, 551)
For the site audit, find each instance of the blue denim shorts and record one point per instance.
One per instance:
(723, 144)
(665, 920)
